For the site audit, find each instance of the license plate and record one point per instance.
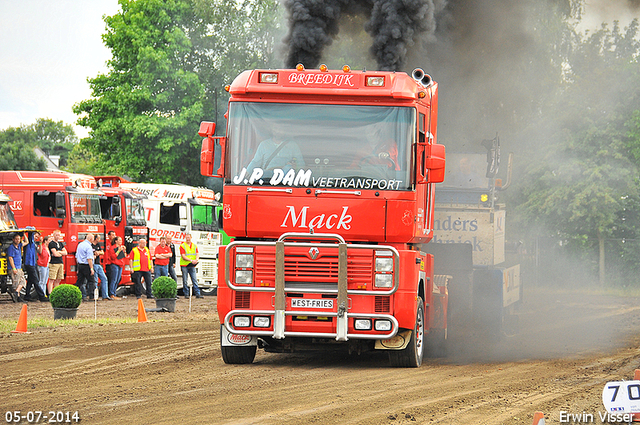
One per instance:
(311, 303)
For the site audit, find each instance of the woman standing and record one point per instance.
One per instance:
(44, 256)
(117, 255)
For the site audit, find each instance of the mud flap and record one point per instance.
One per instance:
(398, 342)
(227, 339)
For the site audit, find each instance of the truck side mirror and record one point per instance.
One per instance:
(207, 152)
(220, 219)
(182, 215)
(435, 163)
(61, 210)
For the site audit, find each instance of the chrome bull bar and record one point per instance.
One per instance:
(279, 313)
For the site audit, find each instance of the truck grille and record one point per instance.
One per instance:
(300, 269)
(209, 269)
(243, 299)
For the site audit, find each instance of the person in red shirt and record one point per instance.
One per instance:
(142, 267)
(116, 255)
(162, 255)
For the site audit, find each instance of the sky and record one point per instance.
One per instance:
(48, 49)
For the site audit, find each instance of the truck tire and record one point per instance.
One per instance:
(412, 355)
(239, 354)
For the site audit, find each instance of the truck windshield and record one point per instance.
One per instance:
(85, 208)
(320, 146)
(135, 212)
(7, 221)
(203, 218)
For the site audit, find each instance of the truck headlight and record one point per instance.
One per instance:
(362, 324)
(384, 264)
(241, 321)
(244, 261)
(383, 280)
(383, 325)
(261, 321)
(244, 277)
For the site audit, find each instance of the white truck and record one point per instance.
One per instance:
(175, 210)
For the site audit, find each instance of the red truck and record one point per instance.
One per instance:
(329, 186)
(123, 212)
(56, 200)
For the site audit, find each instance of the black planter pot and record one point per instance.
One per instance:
(64, 313)
(168, 304)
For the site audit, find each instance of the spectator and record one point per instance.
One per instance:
(172, 260)
(86, 274)
(117, 254)
(189, 257)
(44, 256)
(142, 267)
(31, 266)
(99, 274)
(106, 258)
(14, 255)
(163, 255)
(56, 265)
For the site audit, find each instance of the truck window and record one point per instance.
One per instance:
(170, 214)
(203, 218)
(7, 221)
(321, 146)
(109, 210)
(135, 212)
(44, 204)
(85, 208)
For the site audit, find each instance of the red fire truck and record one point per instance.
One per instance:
(329, 185)
(51, 200)
(123, 213)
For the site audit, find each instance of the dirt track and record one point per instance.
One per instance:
(169, 371)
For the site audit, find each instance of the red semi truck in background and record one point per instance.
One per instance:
(56, 200)
(329, 186)
(123, 213)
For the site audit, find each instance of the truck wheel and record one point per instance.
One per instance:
(239, 354)
(412, 355)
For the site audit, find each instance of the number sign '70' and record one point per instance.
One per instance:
(622, 396)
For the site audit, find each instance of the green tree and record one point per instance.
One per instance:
(165, 77)
(581, 184)
(13, 155)
(52, 137)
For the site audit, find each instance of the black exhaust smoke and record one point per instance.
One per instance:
(393, 24)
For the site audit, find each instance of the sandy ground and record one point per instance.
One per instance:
(170, 371)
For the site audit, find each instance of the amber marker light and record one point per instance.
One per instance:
(269, 77)
(300, 67)
(422, 95)
(375, 81)
(346, 68)
(324, 68)
(227, 87)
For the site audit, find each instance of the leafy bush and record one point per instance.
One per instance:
(65, 296)
(164, 287)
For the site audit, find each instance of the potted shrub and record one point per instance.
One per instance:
(165, 291)
(65, 300)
